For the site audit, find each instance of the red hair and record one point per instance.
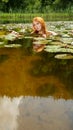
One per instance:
(42, 22)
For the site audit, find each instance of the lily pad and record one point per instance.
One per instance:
(1, 43)
(53, 46)
(55, 43)
(55, 37)
(22, 30)
(71, 43)
(28, 37)
(41, 42)
(66, 36)
(38, 38)
(67, 40)
(12, 45)
(12, 36)
(64, 56)
(55, 49)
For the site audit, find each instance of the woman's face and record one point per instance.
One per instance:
(37, 26)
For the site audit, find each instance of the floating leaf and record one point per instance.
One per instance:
(71, 43)
(38, 38)
(12, 45)
(67, 40)
(55, 43)
(41, 42)
(64, 56)
(53, 46)
(22, 30)
(58, 48)
(66, 36)
(1, 43)
(28, 37)
(12, 36)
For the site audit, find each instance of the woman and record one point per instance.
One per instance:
(39, 28)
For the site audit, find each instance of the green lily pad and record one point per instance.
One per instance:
(55, 49)
(1, 43)
(10, 37)
(28, 37)
(56, 43)
(64, 56)
(53, 46)
(41, 42)
(38, 38)
(67, 40)
(66, 36)
(12, 45)
(22, 30)
(71, 43)
(56, 37)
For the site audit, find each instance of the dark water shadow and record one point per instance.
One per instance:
(35, 74)
(3, 58)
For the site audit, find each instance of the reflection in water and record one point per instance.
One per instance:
(25, 73)
(39, 90)
(8, 113)
(29, 113)
(36, 90)
(45, 114)
(3, 58)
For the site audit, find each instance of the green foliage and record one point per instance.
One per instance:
(27, 17)
(5, 1)
(39, 5)
(61, 4)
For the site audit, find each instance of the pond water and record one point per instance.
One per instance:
(36, 89)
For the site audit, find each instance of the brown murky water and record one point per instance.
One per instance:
(36, 91)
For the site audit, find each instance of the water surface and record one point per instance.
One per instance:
(36, 91)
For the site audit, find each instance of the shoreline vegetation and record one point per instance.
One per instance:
(27, 17)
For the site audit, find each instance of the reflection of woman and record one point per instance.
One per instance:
(39, 28)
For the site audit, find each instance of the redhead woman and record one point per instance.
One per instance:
(39, 28)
